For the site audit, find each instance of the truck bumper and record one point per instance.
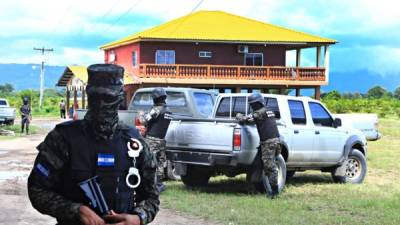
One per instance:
(202, 158)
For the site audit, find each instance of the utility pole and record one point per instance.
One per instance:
(42, 50)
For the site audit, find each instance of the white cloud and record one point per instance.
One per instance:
(27, 23)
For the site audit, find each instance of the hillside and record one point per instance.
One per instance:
(22, 76)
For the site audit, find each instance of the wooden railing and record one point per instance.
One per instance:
(184, 71)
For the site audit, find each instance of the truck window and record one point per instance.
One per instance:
(176, 102)
(204, 103)
(272, 104)
(239, 105)
(223, 108)
(319, 115)
(3, 102)
(297, 112)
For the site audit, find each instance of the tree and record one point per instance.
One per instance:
(6, 88)
(376, 92)
(333, 95)
(396, 93)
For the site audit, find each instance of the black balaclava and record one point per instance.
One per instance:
(25, 101)
(105, 94)
(256, 106)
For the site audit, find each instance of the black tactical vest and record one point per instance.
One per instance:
(158, 127)
(87, 160)
(266, 125)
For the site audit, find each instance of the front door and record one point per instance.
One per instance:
(329, 141)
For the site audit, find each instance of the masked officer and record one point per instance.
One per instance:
(269, 137)
(25, 111)
(156, 122)
(98, 145)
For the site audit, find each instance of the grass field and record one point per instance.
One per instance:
(309, 197)
(17, 129)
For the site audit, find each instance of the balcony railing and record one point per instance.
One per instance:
(183, 71)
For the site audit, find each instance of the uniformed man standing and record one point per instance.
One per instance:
(269, 137)
(156, 122)
(98, 145)
(25, 111)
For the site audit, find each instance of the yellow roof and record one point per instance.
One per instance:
(81, 73)
(220, 27)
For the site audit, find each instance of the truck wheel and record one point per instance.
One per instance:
(171, 173)
(196, 176)
(280, 162)
(290, 174)
(11, 122)
(355, 169)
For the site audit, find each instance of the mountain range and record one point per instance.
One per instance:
(26, 76)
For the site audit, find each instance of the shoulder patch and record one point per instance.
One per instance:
(42, 169)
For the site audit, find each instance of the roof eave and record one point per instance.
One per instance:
(110, 46)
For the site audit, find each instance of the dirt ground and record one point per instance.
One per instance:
(16, 160)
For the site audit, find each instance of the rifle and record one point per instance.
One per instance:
(93, 193)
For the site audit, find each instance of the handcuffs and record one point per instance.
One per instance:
(134, 149)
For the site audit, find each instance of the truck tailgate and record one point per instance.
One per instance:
(204, 135)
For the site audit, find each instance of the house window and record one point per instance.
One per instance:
(112, 57)
(253, 59)
(205, 54)
(165, 57)
(134, 58)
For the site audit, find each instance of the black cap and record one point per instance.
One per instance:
(105, 75)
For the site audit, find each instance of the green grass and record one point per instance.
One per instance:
(309, 197)
(17, 129)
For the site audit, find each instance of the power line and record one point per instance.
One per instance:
(42, 50)
(121, 16)
(110, 10)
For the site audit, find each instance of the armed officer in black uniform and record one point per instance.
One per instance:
(99, 145)
(269, 137)
(26, 116)
(156, 122)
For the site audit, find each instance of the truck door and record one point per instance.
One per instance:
(302, 136)
(329, 141)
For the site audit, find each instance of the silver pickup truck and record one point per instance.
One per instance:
(7, 113)
(311, 139)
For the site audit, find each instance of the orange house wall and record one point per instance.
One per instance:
(188, 53)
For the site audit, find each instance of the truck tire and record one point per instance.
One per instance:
(290, 174)
(355, 168)
(196, 176)
(171, 173)
(280, 162)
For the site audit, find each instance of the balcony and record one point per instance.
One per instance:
(221, 74)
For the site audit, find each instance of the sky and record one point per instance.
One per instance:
(368, 31)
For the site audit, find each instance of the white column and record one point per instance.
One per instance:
(298, 57)
(326, 63)
(318, 58)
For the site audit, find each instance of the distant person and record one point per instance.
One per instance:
(71, 112)
(62, 109)
(26, 116)
(268, 132)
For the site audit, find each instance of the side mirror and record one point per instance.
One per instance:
(337, 123)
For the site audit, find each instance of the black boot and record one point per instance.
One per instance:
(274, 192)
(160, 186)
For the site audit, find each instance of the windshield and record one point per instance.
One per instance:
(3, 102)
(204, 103)
(176, 102)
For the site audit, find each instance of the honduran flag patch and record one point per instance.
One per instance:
(105, 160)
